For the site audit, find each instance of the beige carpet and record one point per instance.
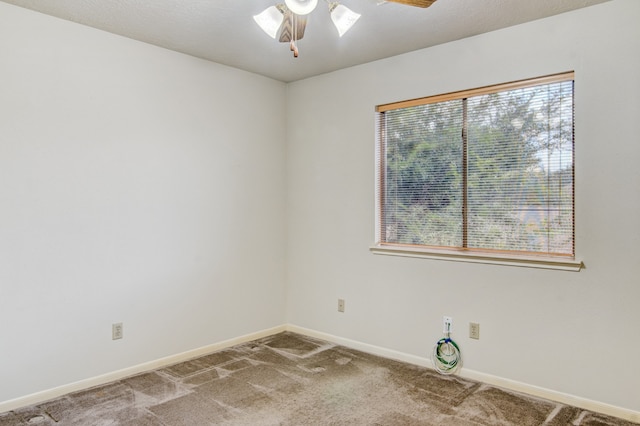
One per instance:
(289, 379)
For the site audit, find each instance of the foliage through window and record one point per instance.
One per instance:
(484, 170)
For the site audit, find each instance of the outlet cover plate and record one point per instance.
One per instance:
(116, 331)
(474, 330)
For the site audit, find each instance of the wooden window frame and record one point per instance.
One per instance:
(487, 256)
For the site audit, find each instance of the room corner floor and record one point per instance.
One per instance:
(289, 379)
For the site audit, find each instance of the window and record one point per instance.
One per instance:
(484, 174)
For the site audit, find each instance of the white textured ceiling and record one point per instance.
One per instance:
(223, 31)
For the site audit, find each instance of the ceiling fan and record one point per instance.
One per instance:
(287, 21)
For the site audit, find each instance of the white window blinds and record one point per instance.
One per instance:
(488, 169)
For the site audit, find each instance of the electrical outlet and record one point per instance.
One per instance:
(340, 305)
(447, 324)
(474, 330)
(116, 331)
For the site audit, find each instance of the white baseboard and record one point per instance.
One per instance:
(46, 395)
(586, 404)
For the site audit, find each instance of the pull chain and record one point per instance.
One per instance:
(294, 32)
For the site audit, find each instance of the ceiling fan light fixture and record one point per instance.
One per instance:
(301, 7)
(270, 20)
(343, 17)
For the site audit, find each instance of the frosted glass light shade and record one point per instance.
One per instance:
(270, 20)
(301, 7)
(343, 18)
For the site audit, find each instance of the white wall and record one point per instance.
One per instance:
(137, 185)
(574, 333)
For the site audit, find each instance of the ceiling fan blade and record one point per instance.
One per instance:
(286, 30)
(417, 3)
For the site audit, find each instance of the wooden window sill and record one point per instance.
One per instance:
(562, 264)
